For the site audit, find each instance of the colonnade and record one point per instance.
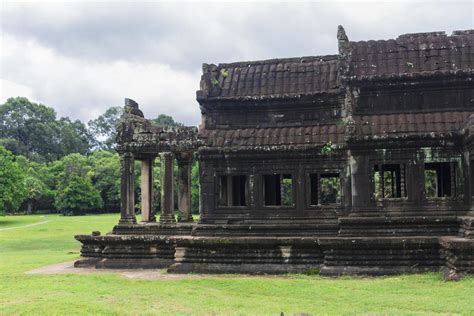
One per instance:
(184, 161)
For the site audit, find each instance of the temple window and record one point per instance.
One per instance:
(232, 190)
(389, 181)
(325, 189)
(440, 178)
(278, 190)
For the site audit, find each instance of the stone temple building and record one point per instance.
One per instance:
(360, 162)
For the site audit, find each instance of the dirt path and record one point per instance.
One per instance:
(148, 274)
(24, 226)
(143, 274)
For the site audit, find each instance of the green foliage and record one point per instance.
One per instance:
(51, 169)
(35, 190)
(74, 188)
(165, 120)
(330, 190)
(104, 127)
(224, 73)
(77, 195)
(32, 130)
(106, 178)
(431, 183)
(313, 271)
(345, 121)
(12, 189)
(328, 148)
(74, 137)
(287, 191)
(195, 187)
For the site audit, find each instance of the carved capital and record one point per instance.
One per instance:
(166, 155)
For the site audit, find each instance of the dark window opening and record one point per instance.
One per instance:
(313, 179)
(439, 179)
(389, 181)
(330, 189)
(325, 189)
(232, 191)
(278, 190)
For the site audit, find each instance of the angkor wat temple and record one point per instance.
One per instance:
(356, 163)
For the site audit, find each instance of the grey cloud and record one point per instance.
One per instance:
(88, 39)
(187, 34)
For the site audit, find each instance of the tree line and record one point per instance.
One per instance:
(53, 164)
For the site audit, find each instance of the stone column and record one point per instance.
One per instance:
(167, 193)
(360, 186)
(147, 190)
(184, 186)
(127, 189)
(466, 175)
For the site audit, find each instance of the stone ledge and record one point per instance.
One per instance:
(245, 268)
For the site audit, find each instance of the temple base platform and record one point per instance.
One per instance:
(328, 256)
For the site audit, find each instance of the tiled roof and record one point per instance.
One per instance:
(367, 126)
(313, 135)
(413, 53)
(275, 78)
(409, 55)
(400, 125)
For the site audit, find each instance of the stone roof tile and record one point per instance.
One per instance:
(411, 124)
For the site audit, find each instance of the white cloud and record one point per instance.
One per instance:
(11, 89)
(84, 89)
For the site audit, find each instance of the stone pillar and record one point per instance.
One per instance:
(184, 186)
(167, 193)
(466, 176)
(127, 189)
(147, 190)
(360, 185)
(416, 181)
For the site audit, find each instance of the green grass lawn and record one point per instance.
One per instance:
(26, 248)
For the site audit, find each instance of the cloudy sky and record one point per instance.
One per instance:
(83, 57)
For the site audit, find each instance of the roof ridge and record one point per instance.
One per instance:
(277, 60)
(411, 36)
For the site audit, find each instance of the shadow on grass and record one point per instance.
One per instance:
(7, 223)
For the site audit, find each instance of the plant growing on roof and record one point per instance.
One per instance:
(224, 73)
(215, 81)
(345, 121)
(328, 148)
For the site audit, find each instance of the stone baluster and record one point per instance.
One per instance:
(167, 192)
(147, 190)
(184, 186)
(127, 189)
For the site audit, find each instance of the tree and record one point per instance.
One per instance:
(75, 192)
(104, 128)
(74, 137)
(35, 189)
(106, 178)
(38, 183)
(12, 189)
(32, 130)
(165, 120)
(77, 195)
